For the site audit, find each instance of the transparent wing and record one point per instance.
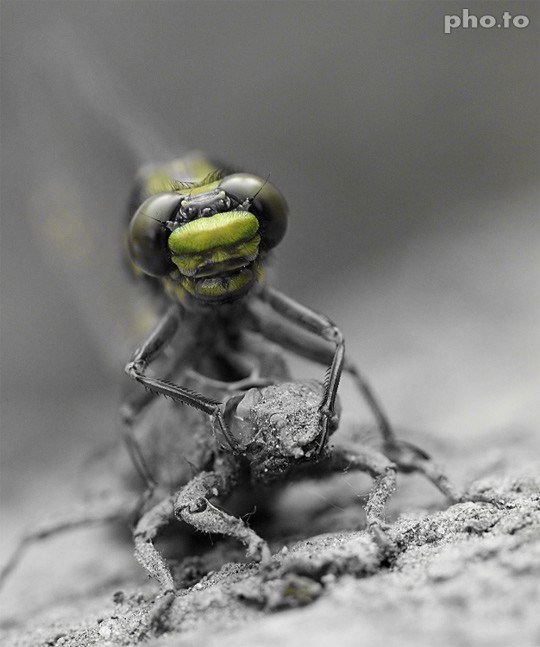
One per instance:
(83, 138)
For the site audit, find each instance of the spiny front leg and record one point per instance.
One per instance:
(137, 369)
(192, 505)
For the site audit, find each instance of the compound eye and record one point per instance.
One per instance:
(263, 200)
(148, 234)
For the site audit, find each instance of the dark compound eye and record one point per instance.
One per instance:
(263, 200)
(148, 233)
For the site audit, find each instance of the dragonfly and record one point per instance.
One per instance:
(199, 236)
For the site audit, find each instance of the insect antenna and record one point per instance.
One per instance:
(166, 225)
(249, 201)
(261, 188)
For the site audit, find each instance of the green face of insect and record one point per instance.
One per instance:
(208, 243)
(217, 256)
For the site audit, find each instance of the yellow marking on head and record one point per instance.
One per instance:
(221, 230)
(229, 257)
(217, 286)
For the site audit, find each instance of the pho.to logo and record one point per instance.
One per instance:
(470, 21)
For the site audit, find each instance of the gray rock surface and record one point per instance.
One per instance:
(468, 574)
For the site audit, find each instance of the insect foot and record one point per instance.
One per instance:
(491, 498)
(259, 551)
(387, 548)
(383, 472)
(144, 535)
(159, 621)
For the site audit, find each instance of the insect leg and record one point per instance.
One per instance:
(137, 401)
(384, 473)
(93, 512)
(409, 457)
(321, 326)
(151, 348)
(193, 506)
(316, 350)
(144, 535)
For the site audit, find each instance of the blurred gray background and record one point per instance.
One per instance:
(409, 159)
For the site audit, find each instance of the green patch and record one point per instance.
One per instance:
(221, 230)
(220, 259)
